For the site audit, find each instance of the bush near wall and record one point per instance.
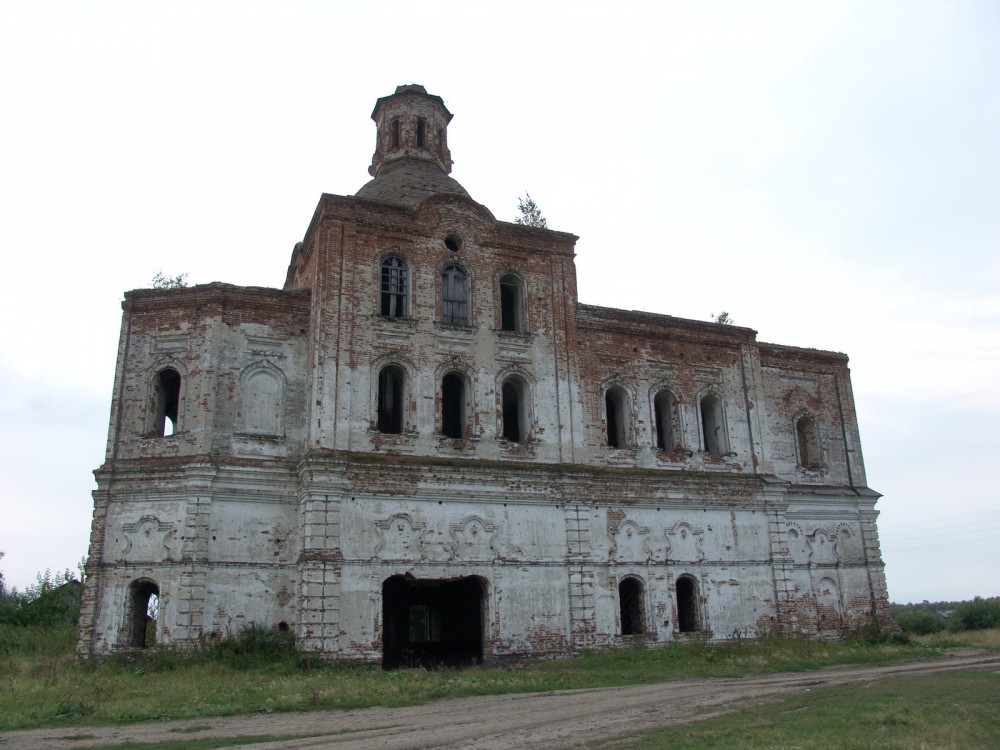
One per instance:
(933, 617)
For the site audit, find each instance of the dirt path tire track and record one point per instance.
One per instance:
(537, 720)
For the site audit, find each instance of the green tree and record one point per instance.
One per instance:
(54, 599)
(723, 319)
(531, 215)
(979, 614)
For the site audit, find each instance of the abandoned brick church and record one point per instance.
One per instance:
(425, 448)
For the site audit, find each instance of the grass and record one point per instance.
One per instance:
(43, 685)
(944, 711)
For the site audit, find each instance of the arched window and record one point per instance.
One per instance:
(395, 288)
(808, 443)
(511, 303)
(687, 604)
(514, 409)
(421, 131)
(665, 414)
(396, 134)
(713, 426)
(455, 296)
(630, 598)
(167, 401)
(616, 410)
(141, 613)
(453, 405)
(390, 399)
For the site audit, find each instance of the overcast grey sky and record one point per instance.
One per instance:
(828, 172)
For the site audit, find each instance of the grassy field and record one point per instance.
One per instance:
(43, 685)
(945, 712)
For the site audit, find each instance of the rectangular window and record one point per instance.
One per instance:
(394, 284)
(455, 296)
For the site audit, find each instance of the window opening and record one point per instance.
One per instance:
(440, 142)
(712, 425)
(396, 139)
(664, 405)
(453, 406)
(394, 288)
(511, 397)
(614, 407)
(453, 242)
(432, 623)
(455, 296)
(421, 131)
(168, 398)
(687, 605)
(390, 400)
(510, 303)
(142, 612)
(805, 430)
(630, 596)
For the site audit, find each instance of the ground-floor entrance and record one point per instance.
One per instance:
(432, 622)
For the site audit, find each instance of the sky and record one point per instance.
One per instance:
(826, 172)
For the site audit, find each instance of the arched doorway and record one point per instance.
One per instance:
(687, 604)
(432, 622)
(630, 598)
(141, 613)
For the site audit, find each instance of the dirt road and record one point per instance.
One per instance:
(537, 720)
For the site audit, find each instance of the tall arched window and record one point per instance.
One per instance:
(391, 380)
(515, 421)
(453, 405)
(396, 135)
(665, 408)
(511, 303)
(616, 411)
(687, 605)
(167, 401)
(808, 443)
(630, 598)
(455, 296)
(394, 288)
(713, 426)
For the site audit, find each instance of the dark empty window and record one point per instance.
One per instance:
(665, 407)
(712, 425)
(394, 285)
(805, 432)
(453, 406)
(511, 300)
(687, 605)
(614, 409)
(421, 131)
(512, 396)
(396, 134)
(455, 296)
(390, 400)
(167, 389)
(630, 598)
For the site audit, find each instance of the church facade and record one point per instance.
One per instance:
(425, 449)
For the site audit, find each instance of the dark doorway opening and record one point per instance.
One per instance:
(687, 605)
(630, 605)
(432, 623)
(142, 610)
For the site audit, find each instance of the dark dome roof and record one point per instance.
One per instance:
(408, 182)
